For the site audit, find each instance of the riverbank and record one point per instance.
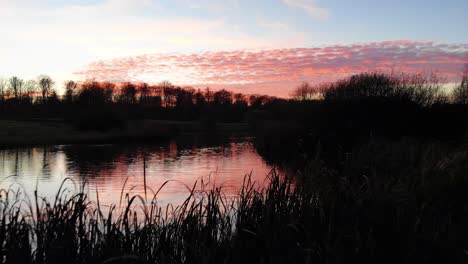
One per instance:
(329, 217)
(14, 133)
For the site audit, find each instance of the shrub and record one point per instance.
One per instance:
(101, 119)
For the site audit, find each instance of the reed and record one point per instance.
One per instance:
(319, 216)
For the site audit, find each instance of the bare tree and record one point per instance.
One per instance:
(184, 96)
(464, 81)
(3, 90)
(222, 97)
(240, 98)
(257, 100)
(168, 95)
(460, 93)
(108, 88)
(70, 88)
(208, 95)
(16, 86)
(128, 93)
(144, 91)
(45, 83)
(29, 90)
(305, 91)
(199, 98)
(301, 91)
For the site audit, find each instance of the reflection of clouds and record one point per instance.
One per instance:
(224, 165)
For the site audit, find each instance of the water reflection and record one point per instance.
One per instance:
(219, 161)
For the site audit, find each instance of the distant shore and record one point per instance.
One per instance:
(19, 133)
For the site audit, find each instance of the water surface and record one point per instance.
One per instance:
(107, 168)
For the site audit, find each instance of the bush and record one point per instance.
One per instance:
(100, 119)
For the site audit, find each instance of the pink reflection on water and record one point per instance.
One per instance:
(224, 166)
(111, 169)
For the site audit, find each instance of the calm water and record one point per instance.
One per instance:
(182, 162)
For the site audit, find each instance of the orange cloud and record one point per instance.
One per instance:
(278, 71)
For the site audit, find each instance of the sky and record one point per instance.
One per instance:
(252, 46)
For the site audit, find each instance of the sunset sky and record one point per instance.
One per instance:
(255, 46)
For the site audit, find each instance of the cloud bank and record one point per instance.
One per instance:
(278, 71)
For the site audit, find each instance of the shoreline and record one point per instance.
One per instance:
(26, 133)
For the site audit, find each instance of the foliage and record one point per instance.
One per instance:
(102, 119)
(390, 202)
(460, 93)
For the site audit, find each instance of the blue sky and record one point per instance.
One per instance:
(347, 21)
(63, 37)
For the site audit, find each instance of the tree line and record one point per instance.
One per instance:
(424, 90)
(92, 104)
(16, 91)
(381, 103)
(419, 88)
(333, 118)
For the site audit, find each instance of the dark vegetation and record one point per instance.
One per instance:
(103, 105)
(418, 215)
(375, 171)
(335, 118)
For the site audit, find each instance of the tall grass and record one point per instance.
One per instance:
(362, 213)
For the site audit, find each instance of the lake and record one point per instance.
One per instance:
(109, 169)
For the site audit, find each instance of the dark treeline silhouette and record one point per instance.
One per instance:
(105, 105)
(342, 115)
(344, 112)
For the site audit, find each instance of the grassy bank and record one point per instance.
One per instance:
(44, 132)
(15, 133)
(390, 203)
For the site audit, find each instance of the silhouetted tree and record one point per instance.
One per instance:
(3, 90)
(418, 88)
(360, 86)
(108, 88)
(156, 90)
(305, 91)
(184, 97)
(222, 97)
(240, 98)
(144, 91)
(168, 93)
(424, 91)
(45, 84)
(464, 81)
(16, 85)
(128, 93)
(70, 89)
(92, 93)
(53, 98)
(199, 98)
(155, 95)
(256, 100)
(208, 95)
(460, 93)
(30, 91)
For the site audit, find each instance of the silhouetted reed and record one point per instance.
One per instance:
(388, 203)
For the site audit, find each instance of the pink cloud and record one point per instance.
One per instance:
(278, 71)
